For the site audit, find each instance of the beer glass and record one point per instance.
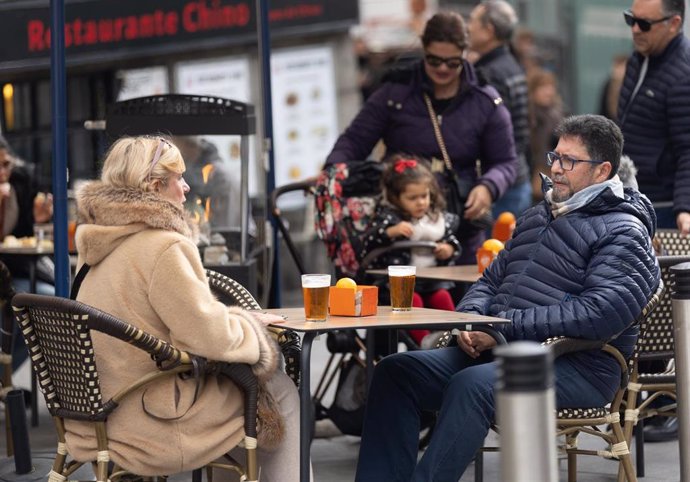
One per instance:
(401, 280)
(315, 292)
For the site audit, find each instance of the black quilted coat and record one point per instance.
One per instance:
(586, 274)
(656, 125)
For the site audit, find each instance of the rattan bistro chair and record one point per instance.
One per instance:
(233, 293)
(655, 343)
(571, 422)
(670, 242)
(58, 334)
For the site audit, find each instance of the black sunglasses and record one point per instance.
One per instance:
(645, 25)
(436, 61)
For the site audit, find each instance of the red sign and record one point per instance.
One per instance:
(143, 26)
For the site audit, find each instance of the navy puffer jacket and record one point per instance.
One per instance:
(586, 274)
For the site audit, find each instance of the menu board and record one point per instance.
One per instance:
(305, 124)
(223, 77)
(142, 82)
(228, 78)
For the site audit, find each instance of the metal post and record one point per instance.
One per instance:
(264, 35)
(244, 197)
(681, 333)
(58, 89)
(20, 433)
(525, 412)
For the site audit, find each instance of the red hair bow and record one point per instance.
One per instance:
(403, 164)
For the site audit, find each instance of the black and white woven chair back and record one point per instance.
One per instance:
(230, 291)
(62, 354)
(656, 330)
(672, 243)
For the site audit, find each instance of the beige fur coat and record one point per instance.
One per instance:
(146, 270)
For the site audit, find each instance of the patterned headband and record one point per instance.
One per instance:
(156, 157)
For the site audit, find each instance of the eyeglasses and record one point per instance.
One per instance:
(645, 25)
(436, 61)
(566, 162)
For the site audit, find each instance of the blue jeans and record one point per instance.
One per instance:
(517, 199)
(461, 389)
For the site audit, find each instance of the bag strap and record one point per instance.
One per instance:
(437, 132)
(78, 280)
(439, 139)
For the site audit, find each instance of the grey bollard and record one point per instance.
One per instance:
(681, 334)
(525, 412)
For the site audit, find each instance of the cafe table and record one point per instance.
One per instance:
(460, 274)
(386, 318)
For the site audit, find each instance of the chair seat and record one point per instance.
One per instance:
(582, 413)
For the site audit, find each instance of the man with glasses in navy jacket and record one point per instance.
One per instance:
(580, 264)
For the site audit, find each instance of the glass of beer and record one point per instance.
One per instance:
(401, 280)
(315, 292)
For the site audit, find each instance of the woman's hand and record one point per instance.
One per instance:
(267, 318)
(403, 229)
(478, 202)
(475, 342)
(43, 207)
(443, 251)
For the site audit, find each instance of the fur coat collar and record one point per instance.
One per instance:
(107, 215)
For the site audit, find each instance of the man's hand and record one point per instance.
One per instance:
(475, 342)
(443, 251)
(403, 229)
(478, 202)
(683, 222)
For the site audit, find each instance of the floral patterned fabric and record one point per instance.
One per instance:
(340, 220)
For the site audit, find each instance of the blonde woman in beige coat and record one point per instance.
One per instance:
(146, 269)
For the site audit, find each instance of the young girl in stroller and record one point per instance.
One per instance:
(413, 209)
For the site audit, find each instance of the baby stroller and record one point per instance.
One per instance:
(346, 197)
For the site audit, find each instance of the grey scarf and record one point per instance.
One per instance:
(584, 197)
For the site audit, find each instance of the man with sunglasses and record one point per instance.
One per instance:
(654, 108)
(654, 115)
(490, 28)
(580, 264)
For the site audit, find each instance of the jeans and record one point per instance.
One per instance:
(517, 199)
(461, 389)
